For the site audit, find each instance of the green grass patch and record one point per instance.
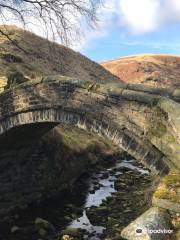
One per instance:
(173, 179)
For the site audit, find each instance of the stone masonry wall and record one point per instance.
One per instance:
(120, 113)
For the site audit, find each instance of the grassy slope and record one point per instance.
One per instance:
(43, 57)
(154, 70)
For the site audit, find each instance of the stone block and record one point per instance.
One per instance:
(154, 224)
(141, 97)
(166, 204)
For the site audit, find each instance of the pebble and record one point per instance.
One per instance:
(15, 229)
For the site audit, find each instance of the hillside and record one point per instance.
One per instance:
(153, 70)
(38, 56)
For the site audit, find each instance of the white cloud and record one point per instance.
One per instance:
(136, 16)
(143, 16)
(139, 15)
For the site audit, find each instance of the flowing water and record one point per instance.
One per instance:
(100, 204)
(95, 198)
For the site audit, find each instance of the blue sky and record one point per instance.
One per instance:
(133, 27)
(164, 41)
(127, 27)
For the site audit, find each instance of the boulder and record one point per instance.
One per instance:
(41, 223)
(15, 229)
(154, 224)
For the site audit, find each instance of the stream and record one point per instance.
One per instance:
(96, 195)
(100, 204)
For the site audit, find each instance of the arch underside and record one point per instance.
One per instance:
(45, 119)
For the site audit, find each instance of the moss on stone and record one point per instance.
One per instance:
(168, 189)
(87, 84)
(172, 179)
(171, 138)
(161, 192)
(15, 78)
(157, 128)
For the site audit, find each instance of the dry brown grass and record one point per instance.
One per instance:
(42, 57)
(153, 70)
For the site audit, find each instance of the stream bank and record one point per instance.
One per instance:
(101, 203)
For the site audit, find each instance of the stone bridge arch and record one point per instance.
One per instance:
(143, 121)
(120, 113)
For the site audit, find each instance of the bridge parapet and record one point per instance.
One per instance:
(139, 93)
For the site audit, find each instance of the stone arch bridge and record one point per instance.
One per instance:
(143, 121)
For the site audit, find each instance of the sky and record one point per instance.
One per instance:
(130, 27)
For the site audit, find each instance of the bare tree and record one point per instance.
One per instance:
(60, 18)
